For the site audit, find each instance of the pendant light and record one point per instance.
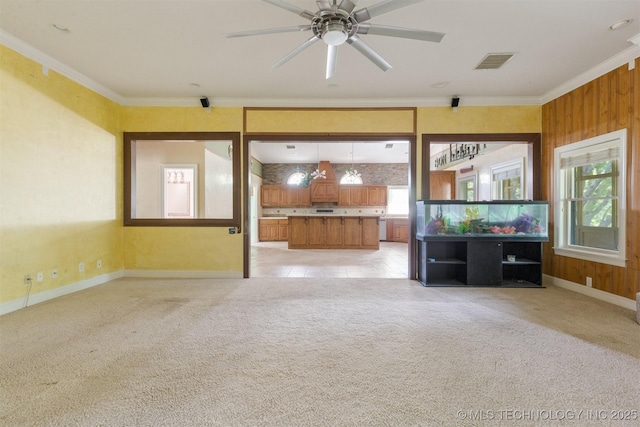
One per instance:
(351, 176)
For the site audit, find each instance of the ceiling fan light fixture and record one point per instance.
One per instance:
(334, 34)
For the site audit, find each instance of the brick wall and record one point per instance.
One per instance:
(372, 173)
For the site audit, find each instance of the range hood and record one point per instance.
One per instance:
(325, 190)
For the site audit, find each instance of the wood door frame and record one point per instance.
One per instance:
(534, 155)
(334, 137)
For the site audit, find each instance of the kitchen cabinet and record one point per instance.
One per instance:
(316, 231)
(377, 195)
(270, 195)
(362, 195)
(295, 196)
(352, 232)
(370, 233)
(283, 230)
(398, 230)
(279, 196)
(298, 231)
(284, 196)
(333, 232)
(273, 230)
(353, 195)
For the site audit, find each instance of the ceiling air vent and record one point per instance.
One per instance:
(388, 146)
(291, 147)
(493, 61)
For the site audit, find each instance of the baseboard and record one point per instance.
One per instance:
(20, 303)
(17, 304)
(591, 292)
(183, 274)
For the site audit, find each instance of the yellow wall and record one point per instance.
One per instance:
(61, 176)
(326, 120)
(203, 249)
(60, 180)
(507, 119)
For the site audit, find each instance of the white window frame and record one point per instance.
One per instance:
(463, 179)
(508, 167)
(350, 180)
(562, 242)
(296, 178)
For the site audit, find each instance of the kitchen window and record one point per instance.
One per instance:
(398, 200)
(591, 198)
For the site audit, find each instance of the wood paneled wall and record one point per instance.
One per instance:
(604, 105)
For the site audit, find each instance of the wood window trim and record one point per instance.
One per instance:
(129, 192)
(534, 155)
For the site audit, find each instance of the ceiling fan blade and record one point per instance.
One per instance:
(296, 51)
(348, 5)
(324, 4)
(269, 31)
(406, 33)
(364, 49)
(332, 58)
(378, 9)
(291, 8)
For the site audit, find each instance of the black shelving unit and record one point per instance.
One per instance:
(473, 261)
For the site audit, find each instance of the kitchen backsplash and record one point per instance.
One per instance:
(280, 212)
(372, 173)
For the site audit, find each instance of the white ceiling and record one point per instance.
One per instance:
(172, 52)
(149, 52)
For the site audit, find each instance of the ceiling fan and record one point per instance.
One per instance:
(336, 23)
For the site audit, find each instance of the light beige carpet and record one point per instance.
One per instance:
(314, 352)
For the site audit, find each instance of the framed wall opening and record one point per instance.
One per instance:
(319, 138)
(531, 163)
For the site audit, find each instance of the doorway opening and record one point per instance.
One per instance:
(391, 253)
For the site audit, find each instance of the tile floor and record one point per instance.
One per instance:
(274, 259)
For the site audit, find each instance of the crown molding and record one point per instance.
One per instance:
(624, 57)
(332, 103)
(51, 63)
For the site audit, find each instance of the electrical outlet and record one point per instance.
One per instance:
(589, 282)
(39, 276)
(27, 280)
(99, 263)
(54, 274)
(81, 267)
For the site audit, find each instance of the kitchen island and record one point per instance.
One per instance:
(334, 232)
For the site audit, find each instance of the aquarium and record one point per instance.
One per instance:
(500, 219)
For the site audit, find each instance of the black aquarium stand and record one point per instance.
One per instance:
(480, 261)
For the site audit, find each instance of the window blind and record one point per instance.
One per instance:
(586, 157)
(506, 174)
